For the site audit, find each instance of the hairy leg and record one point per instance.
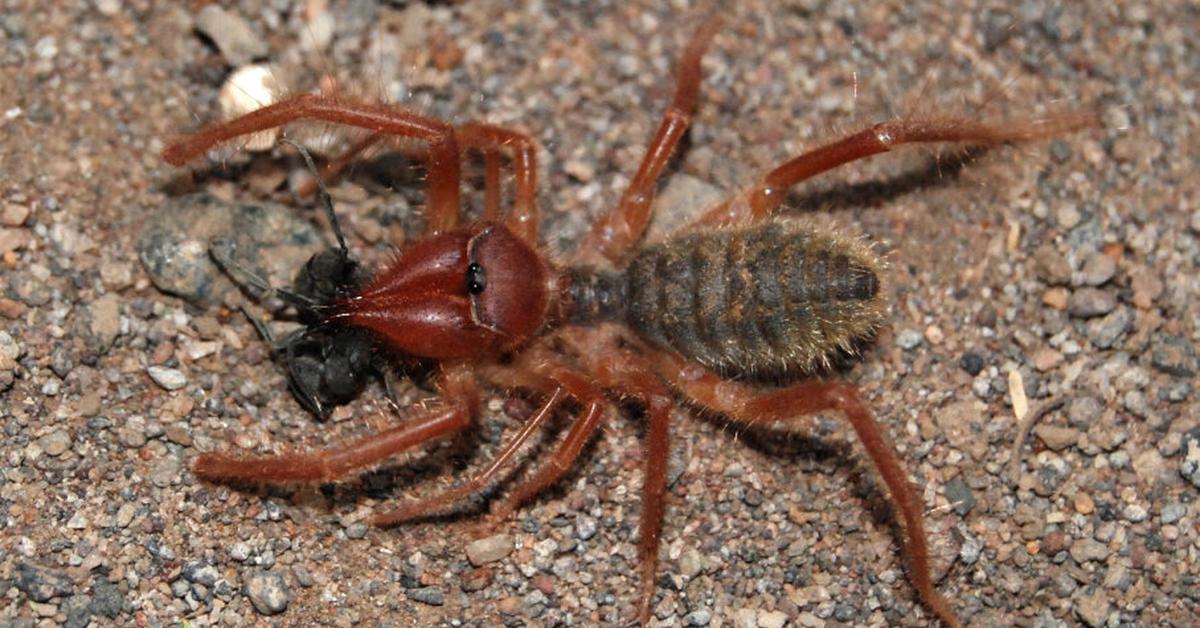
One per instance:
(583, 390)
(443, 164)
(460, 403)
(552, 380)
(620, 229)
(792, 407)
(488, 139)
(630, 374)
(762, 198)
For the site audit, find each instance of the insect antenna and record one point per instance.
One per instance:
(323, 192)
(245, 277)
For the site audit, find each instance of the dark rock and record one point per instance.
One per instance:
(41, 584)
(1091, 302)
(1173, 355)
(106, 599)
(433, 596)
(960, 496)
(971, 362)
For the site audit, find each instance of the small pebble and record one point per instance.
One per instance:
(1135, 513)
(490, 549)
(971, 362)
(1097, 270)
(1086, 550)
(699, 617)
(772, 619)
(200, 572)
(267, 592)
(1046, 359)
(239, 551)
(1050, 266)
(1189, 467)
(356, 531)
(1068, 216)
(55, 443)
(1084, 504)
(433, 596)
(691, 563)
(1090, 303)
(14, 215)
(232, 34)
(1055, 437)
(41, 584)
(585, 527)
(1173, 355)
(170, 379)
(1104, 332)
(908, 339)
(1093, 608)
(960, 496)
(125, 515)
(1173, 512)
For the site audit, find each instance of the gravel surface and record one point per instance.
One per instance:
(1062, 272)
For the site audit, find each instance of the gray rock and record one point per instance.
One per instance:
(1173, 512)
(1173, 355)
(1104, 332)
(908, 339)
(99, 323)
(691, 562)
(106, 598)
(41, 584)
(78, 611)
(55, 443)
(585, 527)
(356, 531)
(1097, 270)
(1050, 266)
(170, 379)
(1088, 550)
(1083, 412)
(200, 572)
(266, 239)
(1189, 467)
(1091, 302)
(268, 592)
(433, 596)
(960, 496)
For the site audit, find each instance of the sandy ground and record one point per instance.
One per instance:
(1066, 270)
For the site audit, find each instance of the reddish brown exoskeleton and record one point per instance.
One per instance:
(736, 294)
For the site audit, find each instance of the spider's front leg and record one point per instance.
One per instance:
(460, 403)
(490, 141)
(445, 170)
(792, 408)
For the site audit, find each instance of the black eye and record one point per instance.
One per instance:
(476, 278)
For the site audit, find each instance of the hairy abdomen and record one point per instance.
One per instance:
(772, 298)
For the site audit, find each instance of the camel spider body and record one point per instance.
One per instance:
(738, 293)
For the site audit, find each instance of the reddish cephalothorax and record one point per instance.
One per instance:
(736, 294)
(467, 293)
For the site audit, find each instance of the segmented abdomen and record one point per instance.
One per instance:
(776, 297)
